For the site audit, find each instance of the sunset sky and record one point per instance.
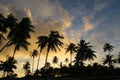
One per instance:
(96, 21)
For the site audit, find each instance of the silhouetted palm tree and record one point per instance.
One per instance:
(71, 48)
(9, 22)
(66, 60)
(18, 35)
(26, 67)
(83, 50)
(3, 28)
(108, 47)
(42, 42)
(52, 42)
(108, 60)
(8, 66)
(55, 60)
(34, 54)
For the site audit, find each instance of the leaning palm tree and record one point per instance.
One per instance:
(108, 47)
(51, 41)
(18, 35)
(71, 48)
(9, 22)
(34, 54)
(55, 60)
(109, 60)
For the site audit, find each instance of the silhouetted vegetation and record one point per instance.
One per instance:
(18, 35)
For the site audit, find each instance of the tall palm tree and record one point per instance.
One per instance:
(26, 67)
(18, 35)
(8, 66)
(34, 54)
(82, 52)
(108, 47)
(109, 60)
(55, 60)
(51, 41)
(71, 48)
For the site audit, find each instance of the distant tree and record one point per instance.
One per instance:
(26, 67)
(109, 60)
(34, 54)
(66, 60)
(72, 49)
(108, 47)
(55, 60)
(52, 42)
(8, 66)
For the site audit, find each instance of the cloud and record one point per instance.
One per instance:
(87, 24)
(4, 9)
(28, 12)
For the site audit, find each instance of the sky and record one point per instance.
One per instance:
(96, 21)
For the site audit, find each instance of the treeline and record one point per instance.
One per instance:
(18, 33)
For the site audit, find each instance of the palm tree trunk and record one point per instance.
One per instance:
(70, 58)
(33, 66)
(46, 58)
(4, 46)
(38, 61)
(14, 53)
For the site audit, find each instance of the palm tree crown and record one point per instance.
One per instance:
(18, 35)
(84, 52)
(108, 47)
(8, 65)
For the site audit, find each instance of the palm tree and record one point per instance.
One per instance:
(26, 67)
(55, 60)
(18, 35)
(42, 42)
(34, 54)
(51, 41)
(9, 22)
(71, 48)
(3, 28)
(108, 47)
(66, 60)
(83, 50)
(108, 60)
(8, 66)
